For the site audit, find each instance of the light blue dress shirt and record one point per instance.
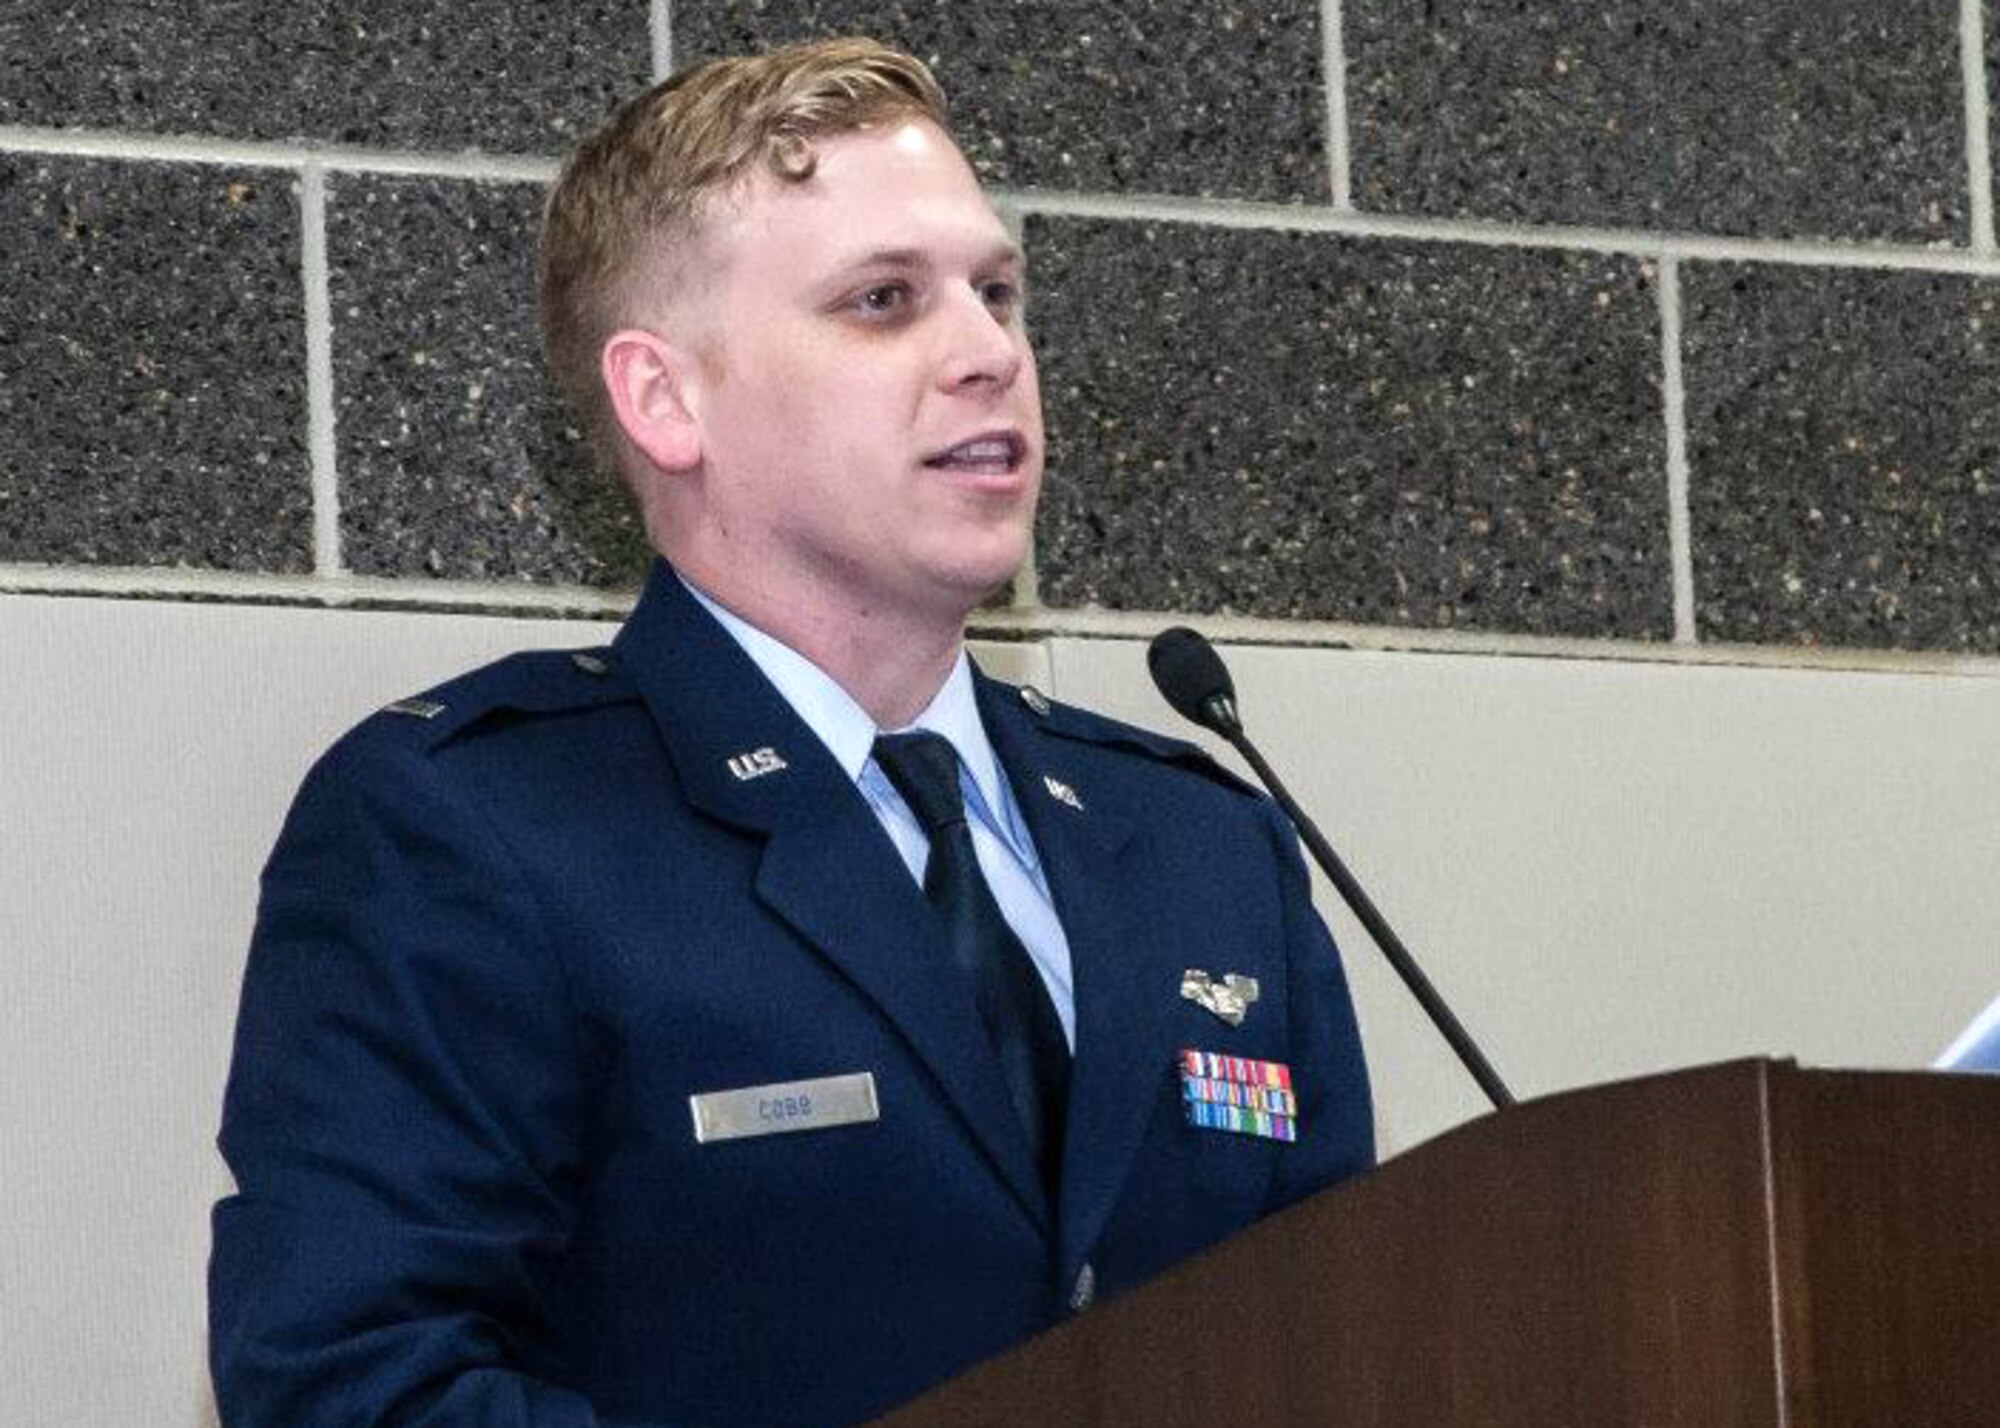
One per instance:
(1000, 837)
(1978, 1046)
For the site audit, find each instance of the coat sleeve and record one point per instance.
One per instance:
(403, 1119)
(1336, 1110)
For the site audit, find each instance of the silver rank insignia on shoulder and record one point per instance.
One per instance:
(1231, 1000)
(589, 663)
(1062, 792)
(415, 708)
(757, 763)
(1035, 699)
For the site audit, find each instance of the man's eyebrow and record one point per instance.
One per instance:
(884, 258)
(913, 259)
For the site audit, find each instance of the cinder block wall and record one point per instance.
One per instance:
(1653, 327)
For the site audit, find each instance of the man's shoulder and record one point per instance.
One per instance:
(528, 687)
(527, 720)
(1144, 750)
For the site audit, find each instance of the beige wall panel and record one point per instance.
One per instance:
(147, 754)
(1610, 867)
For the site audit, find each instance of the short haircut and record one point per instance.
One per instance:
(634, 194)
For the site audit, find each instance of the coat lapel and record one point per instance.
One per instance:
(828, 870)
(1092, 856)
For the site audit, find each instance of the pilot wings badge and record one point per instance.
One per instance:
(1230, 999)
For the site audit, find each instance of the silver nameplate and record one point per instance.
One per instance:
(785, 1106)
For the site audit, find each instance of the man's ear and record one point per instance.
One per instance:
(649, 381)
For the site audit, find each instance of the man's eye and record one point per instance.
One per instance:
(882, 300)
(1001, 295)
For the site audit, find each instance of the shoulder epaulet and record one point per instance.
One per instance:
(1070, 722)
(532, 682)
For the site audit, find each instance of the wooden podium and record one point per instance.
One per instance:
(1745, 1244)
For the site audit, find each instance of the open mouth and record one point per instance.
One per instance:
(991, 453)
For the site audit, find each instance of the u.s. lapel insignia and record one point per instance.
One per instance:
(756, 763)
(1237, 1094)
(1229, 1000)
(1035, 699)
(1061, 792)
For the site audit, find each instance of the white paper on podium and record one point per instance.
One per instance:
(1978, 1046)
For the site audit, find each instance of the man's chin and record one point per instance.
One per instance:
(975, 586)
(975, 590)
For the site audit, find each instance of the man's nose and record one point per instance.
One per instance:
(982, 347)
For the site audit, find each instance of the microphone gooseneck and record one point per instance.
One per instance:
(1193, 678)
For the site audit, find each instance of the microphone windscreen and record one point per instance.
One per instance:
(1190, 674)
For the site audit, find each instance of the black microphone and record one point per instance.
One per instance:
(1191, 674)
(1194, 680)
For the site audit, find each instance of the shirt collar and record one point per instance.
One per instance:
(954, 713)
(844, 726)
(827, 709)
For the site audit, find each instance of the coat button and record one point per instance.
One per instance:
(1085, 1291)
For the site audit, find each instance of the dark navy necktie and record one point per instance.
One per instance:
(1020, 1019)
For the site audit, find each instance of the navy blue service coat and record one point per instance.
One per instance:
(502, 942)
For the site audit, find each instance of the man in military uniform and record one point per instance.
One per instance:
(767, 1016)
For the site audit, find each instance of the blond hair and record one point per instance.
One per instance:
(633, 194)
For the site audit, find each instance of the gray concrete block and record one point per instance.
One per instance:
(1837, 119)
(1194, 97)
(503, 75)
(1299, 425)
(152, 367)
(457, 459)
(1993, 90)
(1844, 440)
